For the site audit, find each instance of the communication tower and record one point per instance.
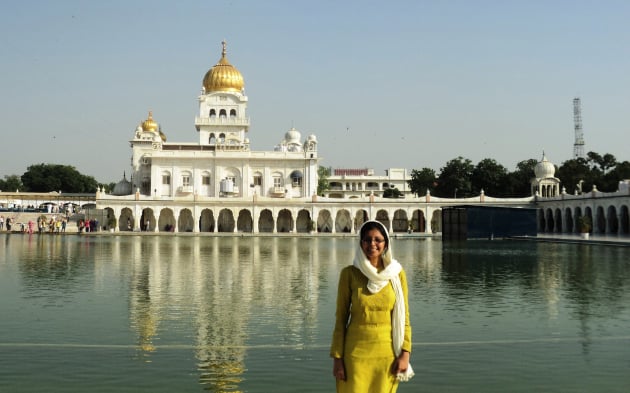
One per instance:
(578, 145)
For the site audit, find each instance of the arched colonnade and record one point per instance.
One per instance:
(608, 217)
(272, 219)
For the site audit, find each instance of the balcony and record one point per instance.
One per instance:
(222, 121)
(185, 190)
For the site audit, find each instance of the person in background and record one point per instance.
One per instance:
(371, 341)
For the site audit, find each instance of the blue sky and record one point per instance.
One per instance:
(405, 84)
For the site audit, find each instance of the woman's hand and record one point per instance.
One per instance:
(339, 370)
(400, 363)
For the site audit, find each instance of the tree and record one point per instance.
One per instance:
(11, 183)
(422, 180)
(576, 175)
(603, 163)
(517, 184)
(610, 180)
(392, 193)
(322, 180)
(489, 176)
(54, 177)
(454, 179)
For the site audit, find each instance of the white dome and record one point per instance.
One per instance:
(544, 169)
(292, 136)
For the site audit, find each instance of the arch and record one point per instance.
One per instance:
(166, 222)
(222, 113)
(400, 222)
(360, 217)
(324, 221)
(185, 222)
(303, 221)
(541, 220)
(418, 222)
(109, 214)
(589, 213)
(206, 221)
(265, 221)
(558, 220)
(213, 113)
(232, 112)
(285, 221)
(296, 178)
(624, 224)
(600, 220)
(245, 222)
(568, 221)
(343, 221)
(611, 220)
(549, 219)
(126, 221)
(383, 217)
(436, 221)
(212, 139)
(147, 220)
(225, 223)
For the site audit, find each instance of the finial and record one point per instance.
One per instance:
(224, 52)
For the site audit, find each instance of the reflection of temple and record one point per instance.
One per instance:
(221, 294)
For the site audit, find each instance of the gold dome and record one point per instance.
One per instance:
(149, 124)
(223, 76)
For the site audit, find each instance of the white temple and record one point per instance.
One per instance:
(221, 164)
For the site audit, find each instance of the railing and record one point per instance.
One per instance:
(211, 121)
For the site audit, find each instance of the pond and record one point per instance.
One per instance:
(146, 313)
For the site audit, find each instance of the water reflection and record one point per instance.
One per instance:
(239, 311)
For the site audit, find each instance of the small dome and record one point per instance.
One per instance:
(312, 138)
(123, 187)
(149, 124)
(223, 76)
(292, 136)
(544, 169)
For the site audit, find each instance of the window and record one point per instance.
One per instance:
(277, 181)
(257, 180)
(166, 179)
(205, 180)
(186, 180)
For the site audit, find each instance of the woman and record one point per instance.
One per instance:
(372, 338)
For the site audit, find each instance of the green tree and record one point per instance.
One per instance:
(576, 174)
(11, 183)
(422, 180)
(54, 177)
(454, 179)
(517, 184)
(392, 193)
(322, 180)
(603, 163)
(612, 178)
(489, 176)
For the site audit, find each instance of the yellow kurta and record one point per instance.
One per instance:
(365, 341)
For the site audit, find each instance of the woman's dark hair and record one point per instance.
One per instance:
(368, 226)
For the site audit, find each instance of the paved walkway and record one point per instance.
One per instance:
(623, 241)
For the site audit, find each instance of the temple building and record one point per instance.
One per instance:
(221, 164)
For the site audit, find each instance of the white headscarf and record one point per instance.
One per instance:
(377, 281)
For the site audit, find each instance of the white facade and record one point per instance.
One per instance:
(221, 164)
